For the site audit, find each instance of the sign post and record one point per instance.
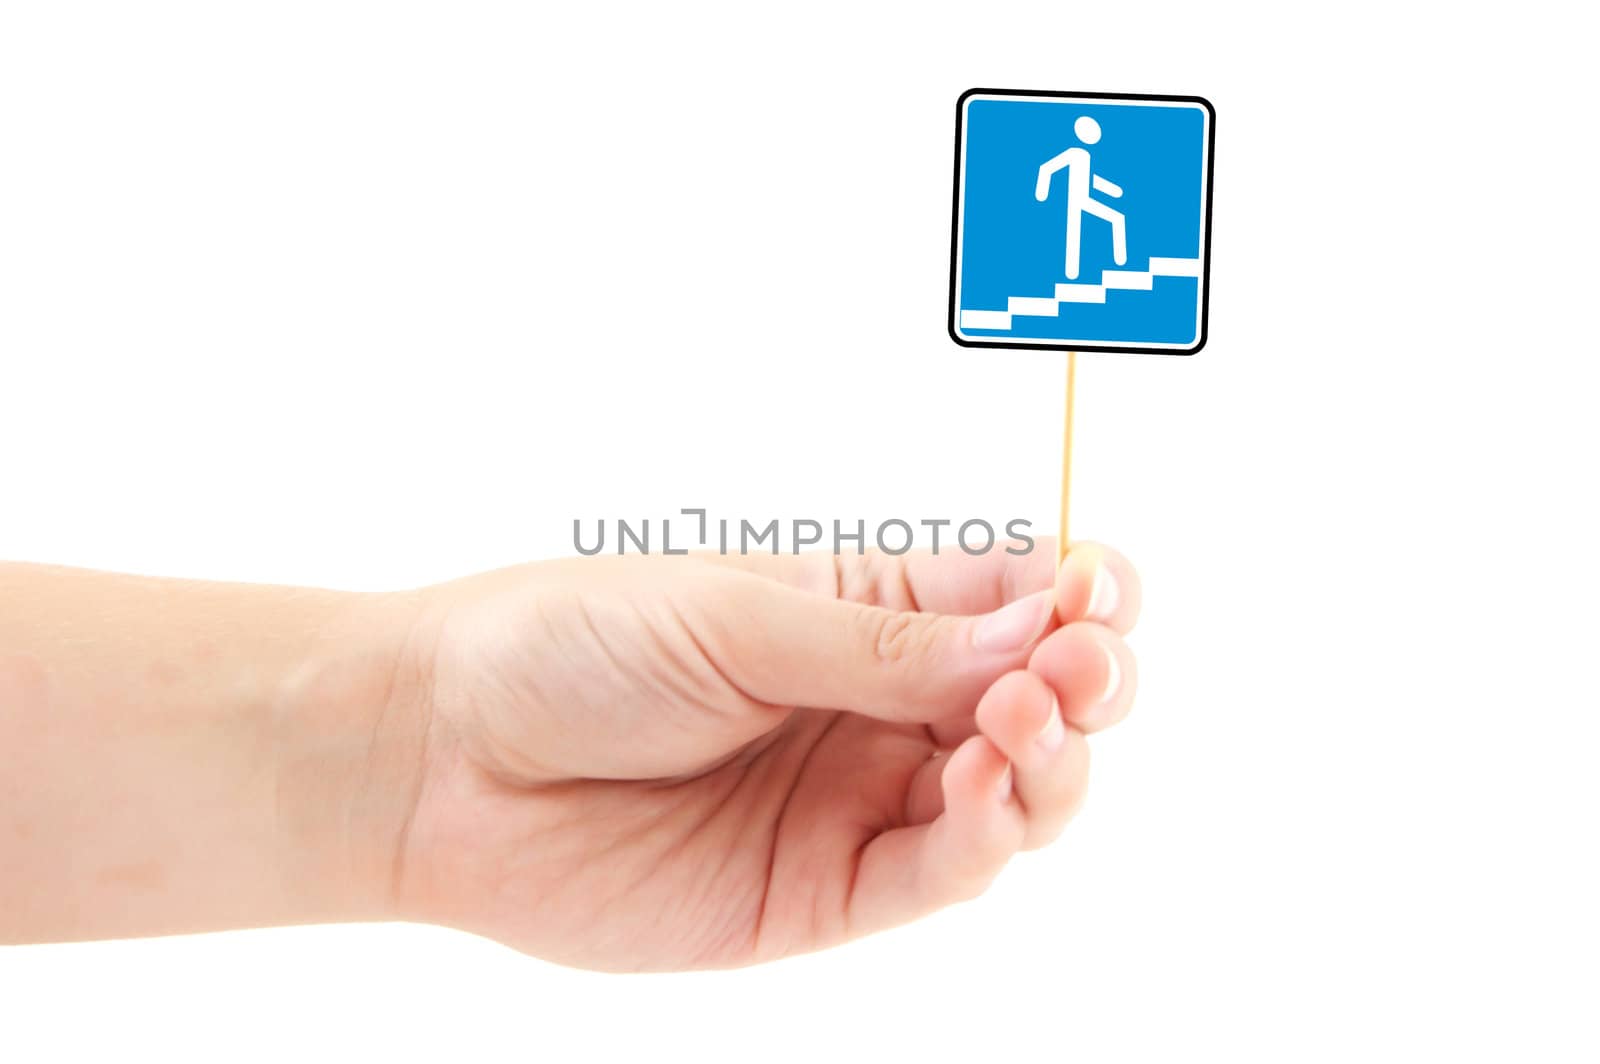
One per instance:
(1066, 461)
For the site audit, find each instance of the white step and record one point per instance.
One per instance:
(1050, 307)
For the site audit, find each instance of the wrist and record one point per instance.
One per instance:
(184, 756)
(350, 729)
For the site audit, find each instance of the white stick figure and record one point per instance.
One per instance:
(1080, 178)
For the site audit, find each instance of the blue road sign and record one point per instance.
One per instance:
(1082, 221)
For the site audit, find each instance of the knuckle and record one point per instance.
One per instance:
(895, 637)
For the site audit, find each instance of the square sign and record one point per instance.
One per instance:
(1082, 221)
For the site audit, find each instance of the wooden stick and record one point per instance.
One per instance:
(1066, 461)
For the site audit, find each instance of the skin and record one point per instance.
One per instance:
(640, 763)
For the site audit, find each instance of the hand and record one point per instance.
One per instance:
(666, 763)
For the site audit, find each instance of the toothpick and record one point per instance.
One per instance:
(1066, 461)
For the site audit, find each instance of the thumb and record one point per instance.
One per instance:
(786, 646)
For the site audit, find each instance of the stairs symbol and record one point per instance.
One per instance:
(1050, 306)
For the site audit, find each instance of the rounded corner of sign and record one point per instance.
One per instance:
(964, 101)
(1205, 105)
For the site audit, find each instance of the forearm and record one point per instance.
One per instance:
(179, 756)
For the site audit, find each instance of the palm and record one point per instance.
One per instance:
(752, 859)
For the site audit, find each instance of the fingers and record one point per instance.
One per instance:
(912, 871)
(1096, 583)
(956, 582)
(1091, 672)
(783, 646)
(1049, 758)
(1019, 779)
(1014, 786)
(951, 581)
(1085, 667)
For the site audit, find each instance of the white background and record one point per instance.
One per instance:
(370, 295)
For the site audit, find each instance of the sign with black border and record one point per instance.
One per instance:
(1081, 221)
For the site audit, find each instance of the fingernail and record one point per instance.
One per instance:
(1015, 626)
(1113, 682)
(1002, 790)
(1054, 731)
(1104, 595)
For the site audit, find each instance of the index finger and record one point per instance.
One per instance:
(951, 581)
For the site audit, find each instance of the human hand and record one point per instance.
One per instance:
(666, 763)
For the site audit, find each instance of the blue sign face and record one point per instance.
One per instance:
(1082, 221)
